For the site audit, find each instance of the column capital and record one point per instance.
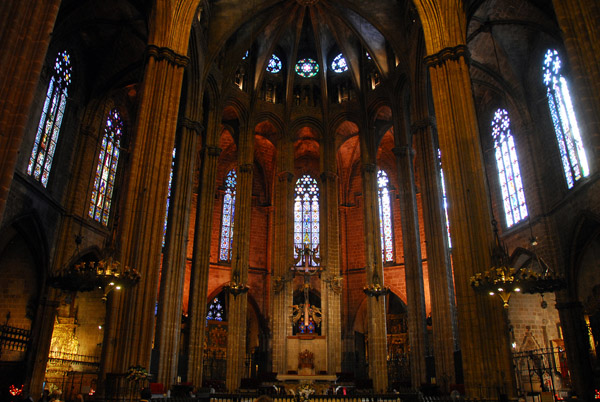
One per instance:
(285, 176)
(165, 53)
(448, 53)
(191, 125)
(246, 167)
(369, 168)
(329, 176)
(422, 124)
(212, 151)
(403, 151)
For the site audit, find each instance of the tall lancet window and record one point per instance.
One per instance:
(106, 169)
(444, 199)
(227, 217)
(513, 197)
(572, 153)
(48, 130)
(306, 215)
(166, 221)
(385, 217)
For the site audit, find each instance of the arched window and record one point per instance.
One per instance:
(216, 309)
(339, 64)
(306, 215)
(166, 221)
(227, 216)
(444, 199)
(385, 217)
(274, 65)
(106, 169)
(572, 153)
(48, 130)
(513, 197)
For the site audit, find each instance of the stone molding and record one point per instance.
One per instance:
(165, 53)
(191, 125)
(283, 176)
(369, 168)
(213, 151)
(422, 124)
(403, 151)
(329, 176)
(448, 53)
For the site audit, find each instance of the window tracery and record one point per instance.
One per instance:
(306, 215)
(106, 169)
(570, 145)
(385, 217)
(509, 174)
(227, 216)
(48, 130)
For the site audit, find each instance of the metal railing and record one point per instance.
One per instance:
(12, 338)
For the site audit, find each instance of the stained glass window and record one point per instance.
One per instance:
(444, 199)
(571, 149)
(245, 55)
(165, 222)
(48, 130)
(216, 309)
(306, 214)
(385, 217)
(339, 64)
(274, 65)
(307, 68)
(228, 216)
(106, 170)
(513, 197)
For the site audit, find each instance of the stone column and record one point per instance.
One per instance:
(168, 327)
(579, 21)
(128, 338)
(377, 347)
(331, 280)
(577, 344)
(236, 332)
(201, 261)
(41, 336)
(482, 327)
(441, 286)
(413, 265)
(25, 33)
(283, 223)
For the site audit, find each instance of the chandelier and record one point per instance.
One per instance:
(235, 286)
(503, 280)
(375, 288)
(106, 274)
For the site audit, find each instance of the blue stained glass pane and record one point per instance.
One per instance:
(339, 64)
(227, 216)
(385, 217)
(274, 65)
(165, 222)
(444, 199)
(306, 213)
(570, 144)
(106, 168)
(216, 309)
(509, 175)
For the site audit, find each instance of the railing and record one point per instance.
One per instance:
(12, 338)
(250, 397)
(73, 358)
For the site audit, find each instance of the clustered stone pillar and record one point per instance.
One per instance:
(168, 326)
(377, 347)
(330, 239)
(129, 336)
(441, 286)
(413, 265)
(282, 255)
(236, 329)
(201, 259)
(482, 326)
(25, 33)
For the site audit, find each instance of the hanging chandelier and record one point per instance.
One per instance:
(236, 286)
(106, 274)
(375, 288)
(503, 279)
